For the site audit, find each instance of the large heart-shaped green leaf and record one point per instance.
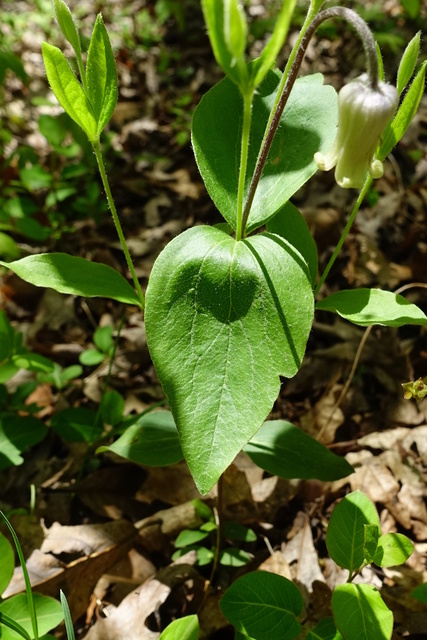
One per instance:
(224, 320)
(308, 125)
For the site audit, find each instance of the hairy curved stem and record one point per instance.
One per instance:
(247, 116)
(372, 67)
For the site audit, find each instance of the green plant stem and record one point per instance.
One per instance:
(101, 166)
(247, 116)
(341, 241)
(372, 67)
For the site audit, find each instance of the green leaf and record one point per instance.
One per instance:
(324, 630)
(68, 90)
(360, 613)
(101, 75)
(183, 629)
(9, 622)
(53, 129)
(373, 306)
(103, 338)
(393, 549)
(405, 113)
(345, 538)
(48, 611)
(412, 7)
(237, 531)
(408, 62)
(234, 557)
(76, 424)
(189, 537)
(66, 24)
(70, 274)
(18, 433)
(215, 14)
(282, 449)
(8, 247)
(420, 593)
(112, 407)
(308, 125)
(269, 54)
(235, 29)
(7, 337)
(91, 357)
(7, 562)
(223, 323)
(25, 359)
(264, 606)
(203, 511)
(289, 223)
(372, 535)
(67, 616)
(152, 441)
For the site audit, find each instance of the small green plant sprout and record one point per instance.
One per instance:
(214, 532)
(104, 343)
(60, 377)
(26, 615)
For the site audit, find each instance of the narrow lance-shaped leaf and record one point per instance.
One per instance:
(71, 274)
(67, 25)
(68, 90)
(101, 75)
(405, 114)
(268, 56)
(408, 62)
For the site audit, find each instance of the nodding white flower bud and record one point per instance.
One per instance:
(363, 114)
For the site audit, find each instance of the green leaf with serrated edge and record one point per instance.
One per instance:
(101, 75)
(7, 562)
(405, 114)
(324, 630)
(18, 433)
(289, 223)
(263, 605)
(223, 322)
(237, 71)
(66, 24)
(373, 306)
(393, 549)
(420, 593)
(48, 611)
(372, 534)
(151, 441)
(408, 62)
(183, 629)
(70, 274)
(281, 448)
(68, 90)
(269, 54)
(308, 124)
(345, 537)
(7, 621)
(76, 424)
(360, 613)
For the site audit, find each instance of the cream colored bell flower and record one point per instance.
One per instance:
(363, 114)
